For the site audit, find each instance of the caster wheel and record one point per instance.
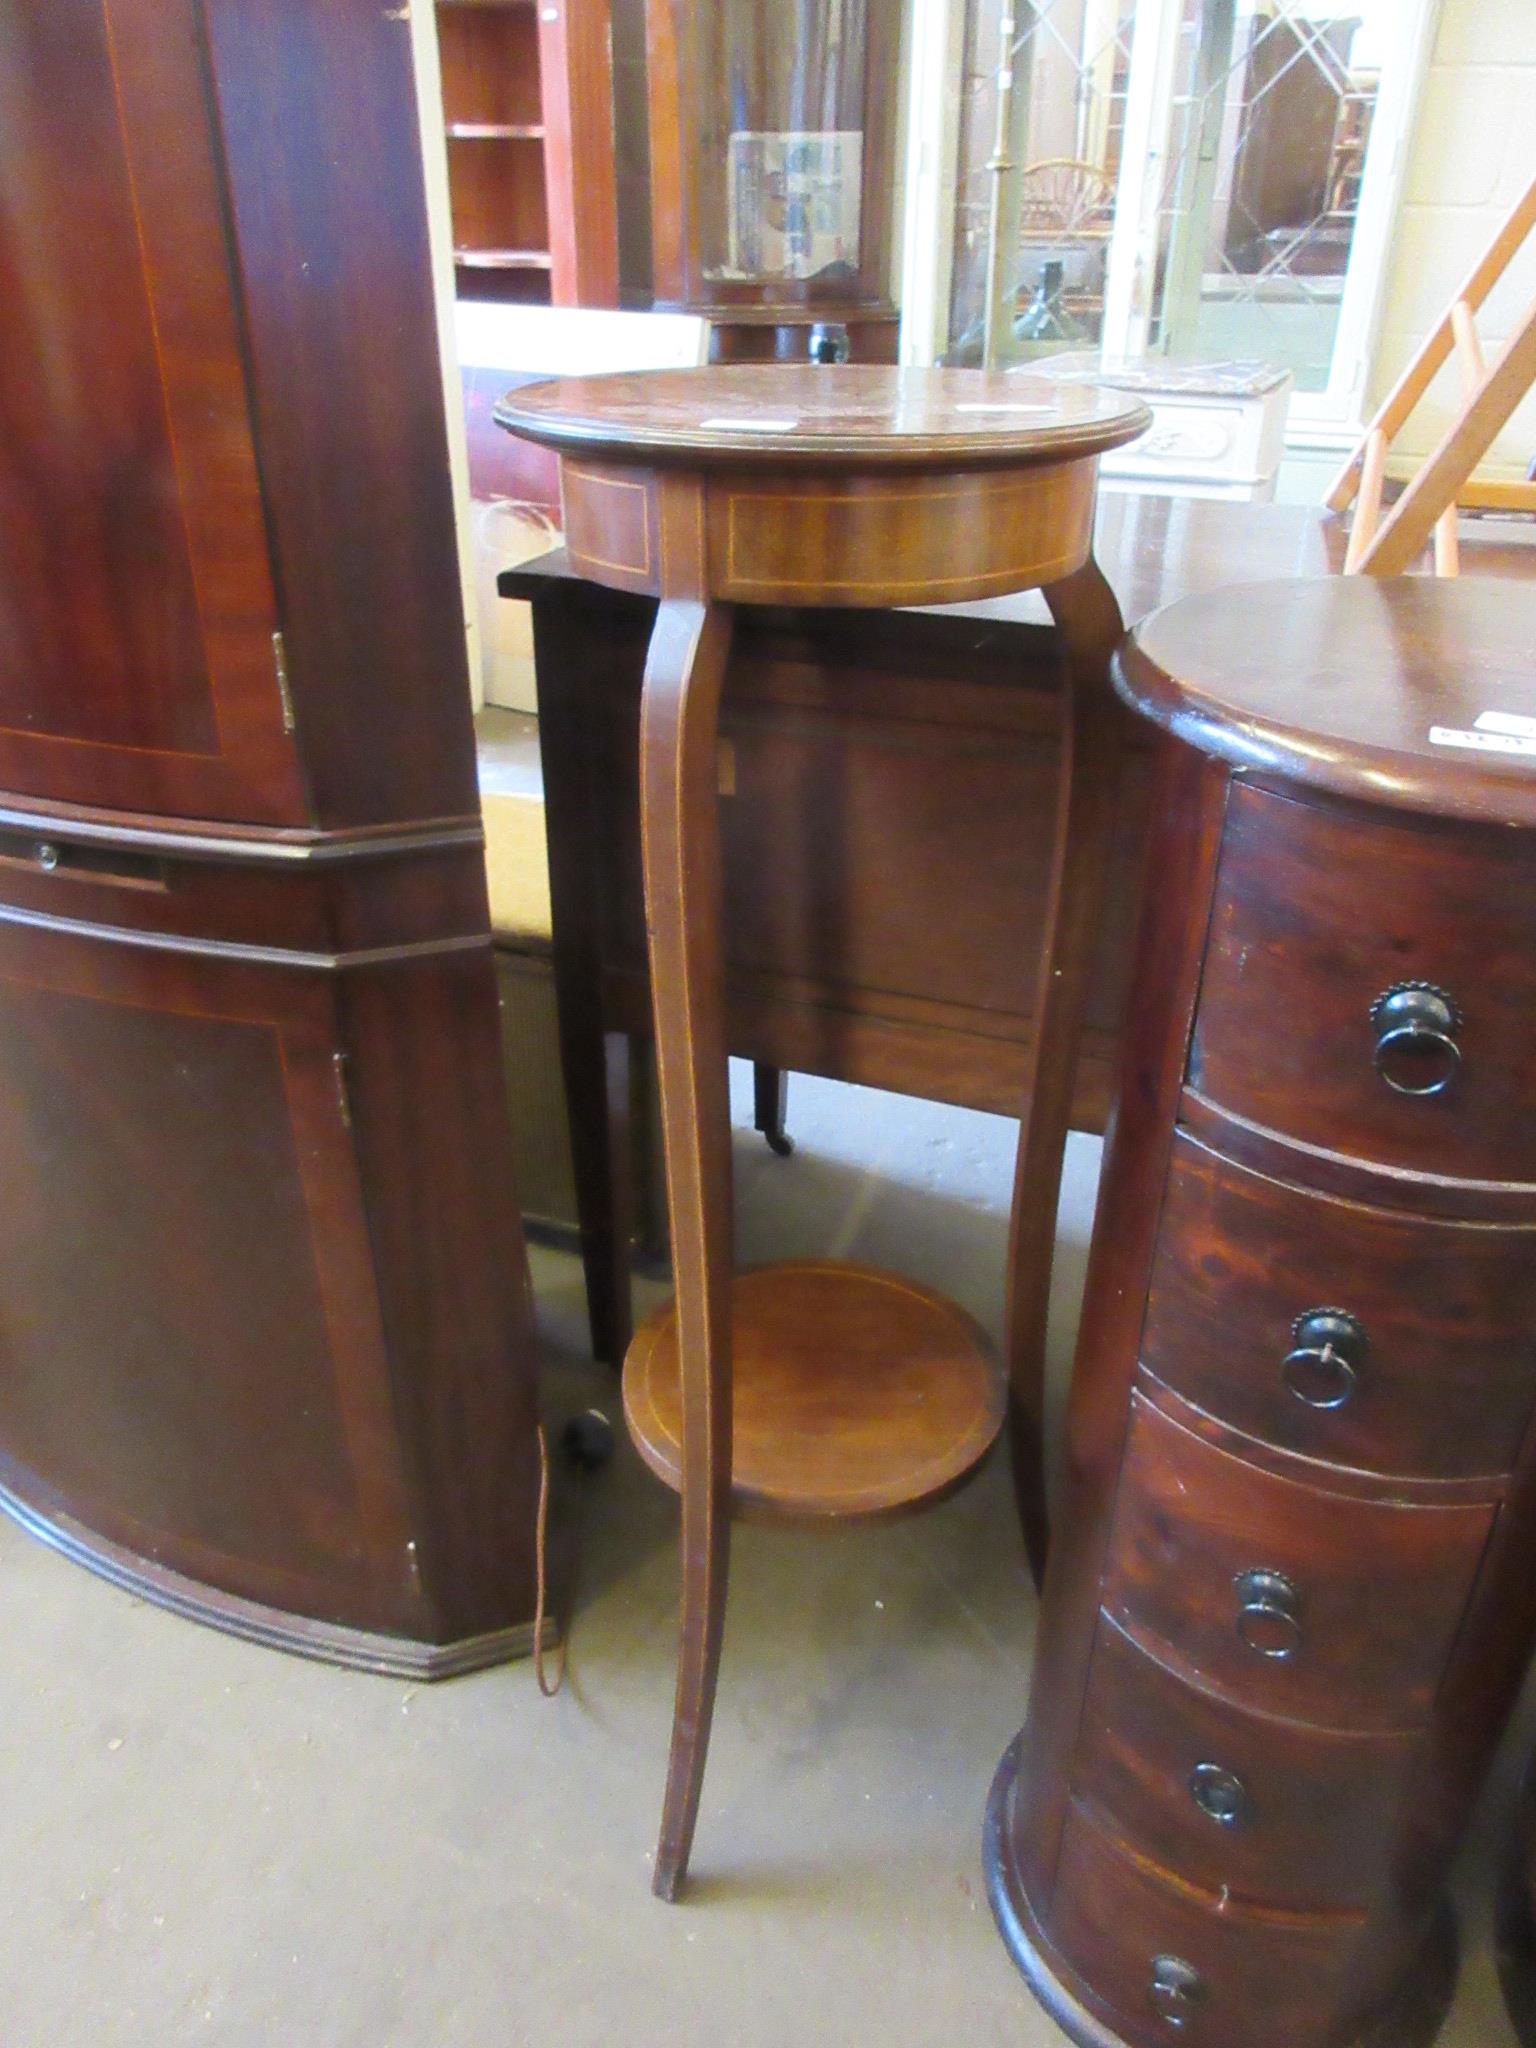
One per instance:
(587, 1440)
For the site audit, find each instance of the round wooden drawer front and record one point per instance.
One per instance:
(1422, 1369)
(1319, 919)
(1181, 1965)
(1278, 1815)
(1361, 1598)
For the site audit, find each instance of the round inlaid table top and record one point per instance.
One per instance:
(856, 1393)
(1416, 692)
(823, 413)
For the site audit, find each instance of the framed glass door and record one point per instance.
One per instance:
(1264, 144)
(1203, 179)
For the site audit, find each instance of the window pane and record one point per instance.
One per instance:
(1267, 132)
(1071, 61)
(1271, 124)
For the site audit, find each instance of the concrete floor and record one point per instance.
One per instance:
(209, 1842)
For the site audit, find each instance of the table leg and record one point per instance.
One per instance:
(594, 1061)
(680, 834)
(1516, 1923)
(770, 1106)
(1088, 619)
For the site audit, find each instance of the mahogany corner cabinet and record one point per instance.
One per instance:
(1290, 1600)
(266, 1353)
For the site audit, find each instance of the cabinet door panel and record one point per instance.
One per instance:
(136, 603)
(191, 1361)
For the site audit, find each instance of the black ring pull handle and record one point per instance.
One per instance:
(1176, 1989)
(1323, 1370)
(1269, 1613)
(1416, 1049)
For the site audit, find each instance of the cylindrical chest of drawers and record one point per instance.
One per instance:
(1292, 1592)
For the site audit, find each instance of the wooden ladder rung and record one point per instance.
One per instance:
(1443, 476)
(1455, 331)
(1469, 350)
(1469, 358)
(1497, 494)
(1368, 510)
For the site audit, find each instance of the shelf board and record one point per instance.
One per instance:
(503, 259)
(855, 1393)
(495, 131)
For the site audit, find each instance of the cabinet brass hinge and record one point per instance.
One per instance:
(280, 665)
(343, 1092)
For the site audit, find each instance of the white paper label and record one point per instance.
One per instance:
(1506, 721)
(750, 425)
(1483, 742)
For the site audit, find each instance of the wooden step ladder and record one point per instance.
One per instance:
(1490, 393)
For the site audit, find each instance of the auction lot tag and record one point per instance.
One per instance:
(726, 425)
(1510, 722)
(1484, 742)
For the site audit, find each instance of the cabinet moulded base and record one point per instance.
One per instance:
(356, 1649)
(1412, 2021)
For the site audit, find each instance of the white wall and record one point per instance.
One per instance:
(1472, 153)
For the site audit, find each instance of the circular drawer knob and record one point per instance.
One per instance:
(1416, 1050)
(1220, 1794)
(1323, 1370)
(1177, 1989)
(1269, 1613)
(46, 854)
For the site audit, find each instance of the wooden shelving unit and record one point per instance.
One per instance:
(527, 106)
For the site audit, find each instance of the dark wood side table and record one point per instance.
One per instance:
(864, 748)
(1290, 1599)
(844, 487)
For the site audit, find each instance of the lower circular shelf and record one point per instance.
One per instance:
(855, 1393)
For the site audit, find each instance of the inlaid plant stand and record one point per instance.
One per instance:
(815, 1392)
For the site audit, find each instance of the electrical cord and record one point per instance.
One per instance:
(587, 1442)
(541, 1529)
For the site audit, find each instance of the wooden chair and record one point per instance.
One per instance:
(1490, 393)
(1066, 204)
(1064, 199)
